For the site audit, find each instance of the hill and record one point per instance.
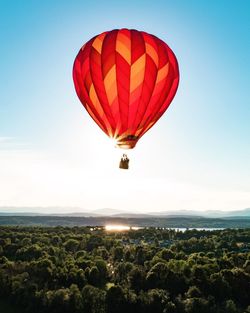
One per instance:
(168, 222)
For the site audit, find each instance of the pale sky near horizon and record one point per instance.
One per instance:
(196, 157)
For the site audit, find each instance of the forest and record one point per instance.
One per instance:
(90, 270)
(169, 221)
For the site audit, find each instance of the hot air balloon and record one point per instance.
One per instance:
(125, 79)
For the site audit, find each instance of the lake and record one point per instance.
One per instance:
(114, 227)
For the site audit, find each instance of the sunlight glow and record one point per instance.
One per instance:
(119, 228)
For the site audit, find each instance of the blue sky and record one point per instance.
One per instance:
(196, 157)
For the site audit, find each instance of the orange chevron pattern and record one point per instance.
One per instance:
(126, 79)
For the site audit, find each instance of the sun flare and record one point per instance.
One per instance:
(119, 228)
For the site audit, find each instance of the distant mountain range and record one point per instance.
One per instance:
(208, 213)
(109, 212)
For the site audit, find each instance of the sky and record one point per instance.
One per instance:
(53, 156)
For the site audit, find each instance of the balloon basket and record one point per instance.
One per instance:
(124, 162)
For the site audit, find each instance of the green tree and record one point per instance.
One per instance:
(137, 279)
(118, 253)
(94, 276)
(115, 300)
(231, 307)
(71, 245)
(93, 300)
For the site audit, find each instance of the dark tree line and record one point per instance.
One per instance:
(89, 270)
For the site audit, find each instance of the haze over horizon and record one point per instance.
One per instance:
(197, 157)
(116, 212)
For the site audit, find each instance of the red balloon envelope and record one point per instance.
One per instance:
(126, 79)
